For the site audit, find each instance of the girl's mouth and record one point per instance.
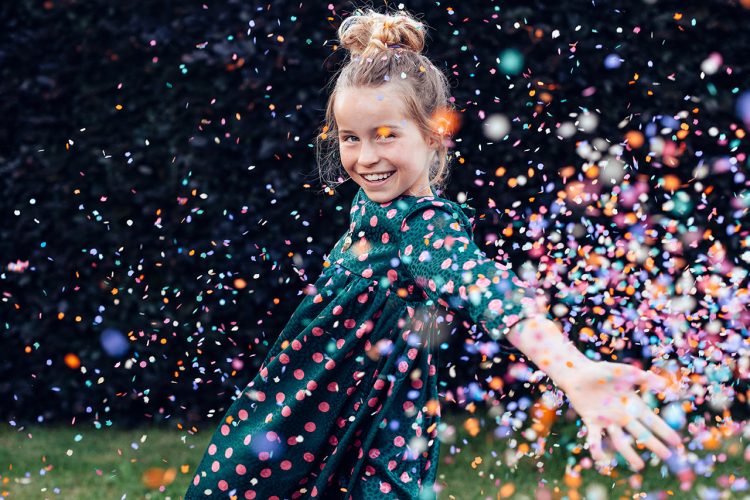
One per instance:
(377, 180)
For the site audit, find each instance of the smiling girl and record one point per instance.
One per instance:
(346, 403)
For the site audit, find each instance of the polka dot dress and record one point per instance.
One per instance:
(345, 405)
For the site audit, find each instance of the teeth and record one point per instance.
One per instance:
(370, 177)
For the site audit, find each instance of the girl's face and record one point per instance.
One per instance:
(377, 138)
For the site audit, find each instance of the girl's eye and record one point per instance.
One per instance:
(346, 138)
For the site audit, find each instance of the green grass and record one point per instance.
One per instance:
(60, 462)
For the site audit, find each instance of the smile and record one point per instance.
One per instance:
(377, 178)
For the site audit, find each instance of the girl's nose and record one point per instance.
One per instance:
(368, 153)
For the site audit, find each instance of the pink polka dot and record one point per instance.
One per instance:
(372, 402)
(240, 470)
(212, 449)
(350, 323)
(374, 220)
(411, 353)
(403, 366)
(215, 465)
(265, 473)
(247, 439)
(299, 374)
(309, 457)
(300, 395)
(324, 407)
(363, 298)
(392, 275)
(340, 343)
(398, 441)
(310, 427)
(286, 411)
(242, 414)
(337, 310)
(225, 430)
(367, 273)
(283, 358)
(374, 453)
(196, 479)
(428, 214)
(296, 345)
(223, 485)
(391, 213)
(285, 465)
(317, 331)
(250, 495)
(263, 456)
(333, 387)
(272, 436)
(260, 396)
(317, 357)
(280, 397)
(385, 238)
(228, 452)
(385, 487)
(330, 364)
(312, 385)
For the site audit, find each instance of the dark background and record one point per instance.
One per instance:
(159, 189)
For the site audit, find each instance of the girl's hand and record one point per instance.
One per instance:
(603, 396)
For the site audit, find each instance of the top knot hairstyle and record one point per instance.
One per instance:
(380, 32)
(387, 49)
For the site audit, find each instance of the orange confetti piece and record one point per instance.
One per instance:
(72, 361)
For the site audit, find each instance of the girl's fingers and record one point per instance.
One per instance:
(660, 427)
(594, 437)
(646, 438)
(622, 445)
(656, 382)
(634, 375)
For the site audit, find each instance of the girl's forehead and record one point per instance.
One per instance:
(364, 106)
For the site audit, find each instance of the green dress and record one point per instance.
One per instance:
(345, 405)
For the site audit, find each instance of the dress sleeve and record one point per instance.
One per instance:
(438, 252)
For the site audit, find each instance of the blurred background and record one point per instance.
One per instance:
(161, 214)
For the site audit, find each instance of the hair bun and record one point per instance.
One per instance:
(362, 32)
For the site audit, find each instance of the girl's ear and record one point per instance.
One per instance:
(433, 142)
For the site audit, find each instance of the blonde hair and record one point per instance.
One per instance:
(387, 49)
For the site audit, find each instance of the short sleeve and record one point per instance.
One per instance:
(439, 254)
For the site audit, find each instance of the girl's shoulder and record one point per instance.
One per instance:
(404, 208)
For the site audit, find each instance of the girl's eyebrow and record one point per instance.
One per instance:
(346, 131)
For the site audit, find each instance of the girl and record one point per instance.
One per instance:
(346, 403)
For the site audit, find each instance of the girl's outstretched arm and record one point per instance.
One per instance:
(438, 252)
(602, 393)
